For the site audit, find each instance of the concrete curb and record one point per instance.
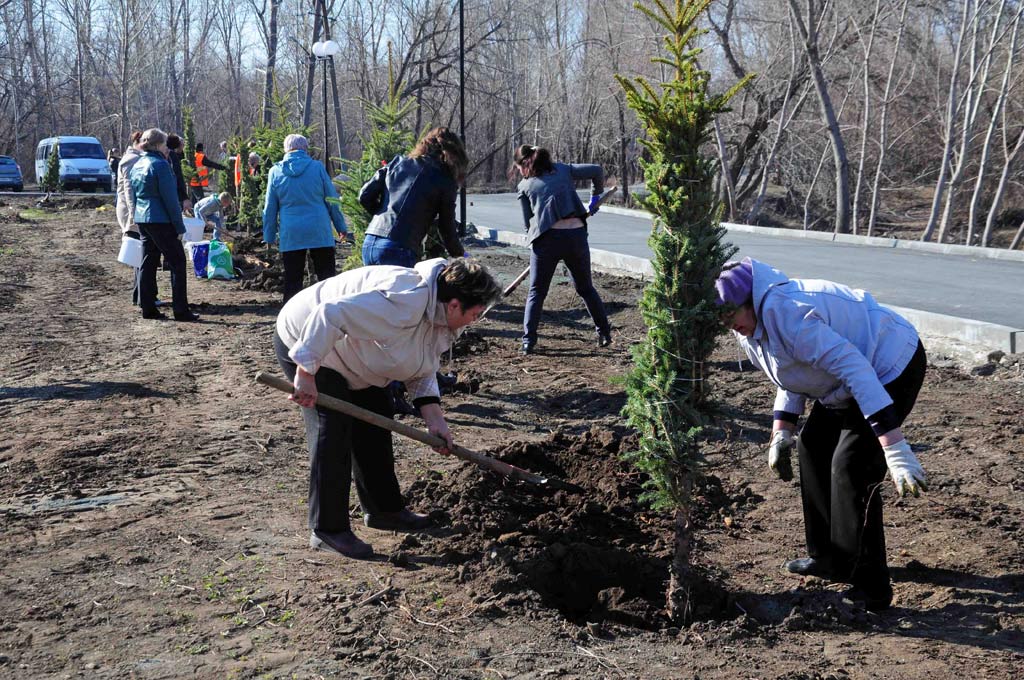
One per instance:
(982, 335)
(939, 248)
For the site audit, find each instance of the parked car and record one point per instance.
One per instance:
(10, 174)
(83, 163)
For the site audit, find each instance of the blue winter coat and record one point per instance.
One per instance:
(296, 207)
(156, 193)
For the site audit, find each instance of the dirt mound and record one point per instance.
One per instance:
(599, 555)
(78, 202)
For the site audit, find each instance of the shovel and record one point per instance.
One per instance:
(486, 462)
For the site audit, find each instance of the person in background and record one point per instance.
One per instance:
(175, 154)
(297, 212)
(328, 340)
(406, 195)
(201, 180)
(556, 225)
(209, 210)
(113, 158)
(253, 168)
(125, 205)
(863, 365)
(158, 216)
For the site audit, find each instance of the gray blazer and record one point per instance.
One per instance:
(551, 197)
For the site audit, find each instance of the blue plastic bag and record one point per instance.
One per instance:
(200, 253)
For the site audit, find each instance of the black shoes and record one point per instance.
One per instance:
(527, 348)
(342, 542)
(810, 566)
(186, 316)
(873, 599)
(153, 314)
(604, 338)
(403, 520)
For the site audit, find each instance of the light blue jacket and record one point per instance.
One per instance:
(296, 205)
(548, 198)
(156, 191)
(821, 340)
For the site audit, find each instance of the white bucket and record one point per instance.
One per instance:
(193, 229)
(131, 252)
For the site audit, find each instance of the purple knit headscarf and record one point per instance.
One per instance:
(735, 285)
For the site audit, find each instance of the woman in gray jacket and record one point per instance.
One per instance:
(862, 365)
(349, 336)
(555, 221)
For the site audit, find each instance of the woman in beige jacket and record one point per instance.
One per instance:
(349, 336)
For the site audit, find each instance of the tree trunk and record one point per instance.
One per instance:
(680, 573)
(862, 159)
(883, 125)
(952, 107)
(986, 147)
(307, 106)
(268, 81)
(809, 32)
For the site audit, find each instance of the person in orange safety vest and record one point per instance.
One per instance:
(201, 180)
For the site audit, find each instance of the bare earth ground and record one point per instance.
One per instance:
(153, 504)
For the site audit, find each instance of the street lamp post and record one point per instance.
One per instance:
(324, 51)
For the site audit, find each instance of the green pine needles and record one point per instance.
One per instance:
(51, 177)
(188, 133)
(666, 388)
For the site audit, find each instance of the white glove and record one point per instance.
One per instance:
(779, 451)
(907, 473)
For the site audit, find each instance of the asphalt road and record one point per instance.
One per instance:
(956, 285)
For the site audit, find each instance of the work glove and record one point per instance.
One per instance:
(593, 207)
(907, 473)
(779, 454)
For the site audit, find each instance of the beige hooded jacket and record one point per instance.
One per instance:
(373, 325)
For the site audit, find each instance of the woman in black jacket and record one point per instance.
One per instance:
(408, 194)
(174, 155)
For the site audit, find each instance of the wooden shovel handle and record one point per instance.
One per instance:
(335, 404)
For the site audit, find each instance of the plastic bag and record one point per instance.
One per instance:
(199, 251)
(219, 265)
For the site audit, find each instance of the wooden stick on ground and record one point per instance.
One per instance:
(345, 407)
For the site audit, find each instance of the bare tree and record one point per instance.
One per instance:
(808, 26)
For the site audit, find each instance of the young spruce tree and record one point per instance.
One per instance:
(188, 133)
(388, 138)
(51, 177)
(666, 388)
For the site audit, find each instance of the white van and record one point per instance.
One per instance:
(83, 163)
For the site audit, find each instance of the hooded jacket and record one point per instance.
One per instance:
(156, 198)
(821, 340)
(373, 325)
(296, 207)
(125, 196)
(551, 197)
(405, 196)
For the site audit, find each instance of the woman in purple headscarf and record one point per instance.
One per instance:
(862, 366)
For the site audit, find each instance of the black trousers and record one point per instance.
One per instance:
(295, 267)
(561, 245)
(157, 238)
(842, 472)
(342, 447)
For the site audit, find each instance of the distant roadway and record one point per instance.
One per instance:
(955, 285)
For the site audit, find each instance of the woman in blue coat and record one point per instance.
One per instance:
(862, 366)
(556, 224)
(158, 216)
(297, 213)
